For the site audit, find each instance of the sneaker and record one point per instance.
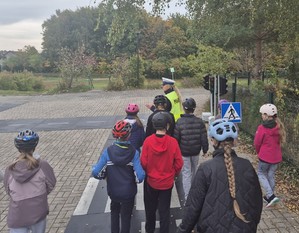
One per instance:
(272, 201)
(266, 200)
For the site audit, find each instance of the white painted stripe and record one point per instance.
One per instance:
(177, 222)
(175, 202)
(139, 197)
(87, 196)
(92, 122)
(15, 124)
(58, 123)
(107, 208)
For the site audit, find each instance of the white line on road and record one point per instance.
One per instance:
(87, 196)
(92, 122)
(58, 123)
(13, 125)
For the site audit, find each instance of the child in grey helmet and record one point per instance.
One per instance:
(28, 182)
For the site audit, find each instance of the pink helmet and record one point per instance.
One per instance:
(132, 109)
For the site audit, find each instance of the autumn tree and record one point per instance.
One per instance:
(74, 65)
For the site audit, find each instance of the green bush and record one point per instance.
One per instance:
(24, 81)
(189, 82)
(116, 84)
(7, 83)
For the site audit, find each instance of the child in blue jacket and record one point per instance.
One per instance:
(120, 165)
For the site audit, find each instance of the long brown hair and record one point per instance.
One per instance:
(28, 156)
(179, 96)
(282, 132)
(227, 145)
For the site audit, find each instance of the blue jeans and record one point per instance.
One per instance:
(188, 172)
(39, 227)
(266, 174)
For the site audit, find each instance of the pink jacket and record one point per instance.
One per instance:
(267, 144)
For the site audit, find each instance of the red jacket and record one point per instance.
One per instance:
(267, 144)
(161, 160)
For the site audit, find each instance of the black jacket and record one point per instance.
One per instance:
(191, 134)
(210, 205)
(150, 128)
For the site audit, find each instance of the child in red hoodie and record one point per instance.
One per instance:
(269, 137)
(161, 160)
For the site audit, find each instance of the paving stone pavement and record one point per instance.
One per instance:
(72, 152)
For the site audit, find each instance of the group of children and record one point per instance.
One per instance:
(222, 194)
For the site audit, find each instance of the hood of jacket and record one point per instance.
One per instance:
(159, 144)
(121, 153)
(21, 173)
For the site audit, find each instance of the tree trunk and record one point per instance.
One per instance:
(258, 56)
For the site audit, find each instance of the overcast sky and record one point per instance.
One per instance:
(21, 20)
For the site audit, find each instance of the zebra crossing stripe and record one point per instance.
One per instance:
(177, 222)
(87, 196)
(175, 203)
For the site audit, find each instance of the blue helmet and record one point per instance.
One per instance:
(26, 140)
(222, 130)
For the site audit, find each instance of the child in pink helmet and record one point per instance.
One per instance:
(137, 132)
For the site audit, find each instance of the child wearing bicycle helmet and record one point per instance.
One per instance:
(191, 133)
(28, 182)
(225, 195)
(137, 131)
(122, 167)
(269, 137)
(161, 159)
(160, 102)
(173, 96)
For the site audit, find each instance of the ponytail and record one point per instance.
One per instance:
(139, 122)
(179, 96)
(28, 156)
(227, 145)
(282, 132)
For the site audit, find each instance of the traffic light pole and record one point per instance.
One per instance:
(215, 94)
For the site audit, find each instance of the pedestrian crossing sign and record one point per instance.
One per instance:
(232, 112)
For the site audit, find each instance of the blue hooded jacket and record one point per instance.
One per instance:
(123, 170)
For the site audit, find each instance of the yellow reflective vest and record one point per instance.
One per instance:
(176, 107)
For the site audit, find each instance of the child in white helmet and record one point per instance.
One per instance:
(269, 137)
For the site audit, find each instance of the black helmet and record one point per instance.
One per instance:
(160, 120)
(26, 140)
(160, 99)
(189, 104)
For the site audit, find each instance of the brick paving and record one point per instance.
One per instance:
(72, 152)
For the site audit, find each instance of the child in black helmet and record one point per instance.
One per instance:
(122, 164)
(191, 134)
(225, 194)
(28, 181)
(162, 160)
(160, 102)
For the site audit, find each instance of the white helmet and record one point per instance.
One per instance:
(269, 109)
